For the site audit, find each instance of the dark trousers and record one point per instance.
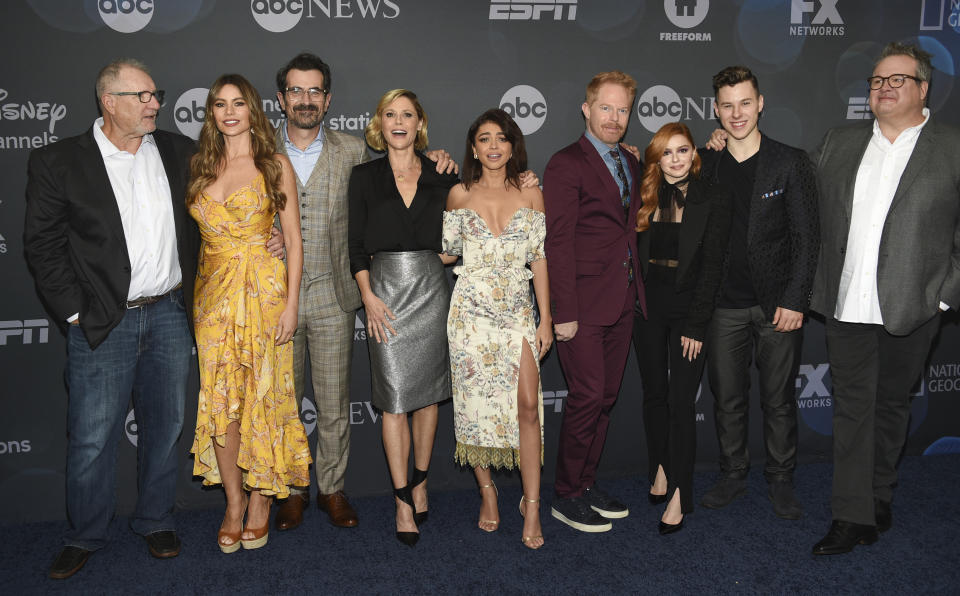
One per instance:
(670, 384)
(735, 335)
(872, 373)
(593, 363)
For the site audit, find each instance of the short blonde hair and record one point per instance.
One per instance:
(374, 130)
(617, 77)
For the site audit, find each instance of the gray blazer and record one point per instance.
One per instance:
(919, 261)
(329, 179)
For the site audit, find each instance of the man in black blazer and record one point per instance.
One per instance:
(764, 293)
(113, 252)
(889, 263)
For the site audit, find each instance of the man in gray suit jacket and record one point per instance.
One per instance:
(323, 159)
(889, 263)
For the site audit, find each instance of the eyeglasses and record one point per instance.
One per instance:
(895, 81)
(144, 96)
(314, 93)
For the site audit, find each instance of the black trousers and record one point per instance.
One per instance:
(670, 385)
(873, 372)
(734, 336)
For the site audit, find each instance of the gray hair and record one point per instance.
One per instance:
(111, 72)
(924, 68)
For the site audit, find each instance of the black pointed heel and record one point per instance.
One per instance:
(420, 517)
(408, 538)
(656, 499)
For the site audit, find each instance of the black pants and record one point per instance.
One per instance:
(734, 335)
(670, 385)
(872, 373)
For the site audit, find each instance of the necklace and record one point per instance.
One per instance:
(401, 177)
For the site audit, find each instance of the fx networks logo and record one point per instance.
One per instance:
(526, 106)
(47, 112)
(859, 109)
(190, 110)
(815, 18)
(535, 10)
(24, 330)
(932, 13)
(126, 16)
(685, 14)
(278, 16)
(359, 328)
(660, 104)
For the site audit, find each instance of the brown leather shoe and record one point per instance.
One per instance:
(338, 508)
(290, 511)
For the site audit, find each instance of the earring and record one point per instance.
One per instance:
(474, 155)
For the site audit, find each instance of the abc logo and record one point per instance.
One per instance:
(526, 106)
(308, 416)
(125, 16)
(277, 16)
(189, 111)
(657, 106)
(130, 427)
(686, 13)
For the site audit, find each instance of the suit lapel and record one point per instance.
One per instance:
(610, 186)
(91, 162)
(692, 229)
(918, 158)
(852, 156)
(175, 179)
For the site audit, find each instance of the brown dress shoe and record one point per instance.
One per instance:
(290, 511)
(338, 508)
(68, 562)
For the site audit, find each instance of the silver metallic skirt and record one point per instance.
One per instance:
(412, 370)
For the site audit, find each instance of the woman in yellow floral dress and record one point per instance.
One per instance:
(495, 349)
(248, 435)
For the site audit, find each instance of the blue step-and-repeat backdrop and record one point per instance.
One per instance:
(533, 59)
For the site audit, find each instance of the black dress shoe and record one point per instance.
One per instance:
(883, 515)
(656, 499)
(163, 544)
(68, 562)
(665, 528)
(843, 536)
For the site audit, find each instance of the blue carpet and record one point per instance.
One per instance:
(741, 549)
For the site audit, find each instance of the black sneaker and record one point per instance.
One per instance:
(576, 513)
(604, 504)
(785, 504)
(724, 492)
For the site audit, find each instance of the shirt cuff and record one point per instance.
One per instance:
(77, 316)
(944, 306)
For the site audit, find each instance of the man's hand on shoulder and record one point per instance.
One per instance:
(445, 164)
(565, 331)
(717, 140)
(633, 150)
(528, 179)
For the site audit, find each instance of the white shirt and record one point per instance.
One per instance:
(877, 179)
(143, 196)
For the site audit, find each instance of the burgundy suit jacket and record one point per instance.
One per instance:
(588, 237)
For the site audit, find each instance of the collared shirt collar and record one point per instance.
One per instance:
(316, 143)
(906, 133)
(107, 148)
(602, 148)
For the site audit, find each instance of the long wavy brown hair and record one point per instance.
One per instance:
(208, 161)
(652, 176)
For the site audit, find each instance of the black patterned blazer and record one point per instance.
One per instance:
(783, 234)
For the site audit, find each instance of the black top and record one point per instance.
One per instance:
(737, 289)
(664, 240)
(379, 221)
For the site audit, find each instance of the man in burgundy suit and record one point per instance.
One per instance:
(591, 190)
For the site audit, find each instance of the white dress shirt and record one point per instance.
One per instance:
(877, 179)
(142, 192)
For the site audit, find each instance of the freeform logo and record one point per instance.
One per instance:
(41, 111)
(686, 14)
(859, 109)
(190, 110)
(932, 15)
(535, 10)
(660, 104)
(823, 11)
(24, 330)
(11, 447)
(126, 16)
(278, 16)
(526, 106)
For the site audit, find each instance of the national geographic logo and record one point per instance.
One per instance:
(944, 378)
(935, 13)
(686, 14)
(824, 19)
(24, 330)
(278, 16)
(126, 16)
(535, 10)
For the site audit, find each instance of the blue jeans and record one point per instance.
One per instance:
(147, 356)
